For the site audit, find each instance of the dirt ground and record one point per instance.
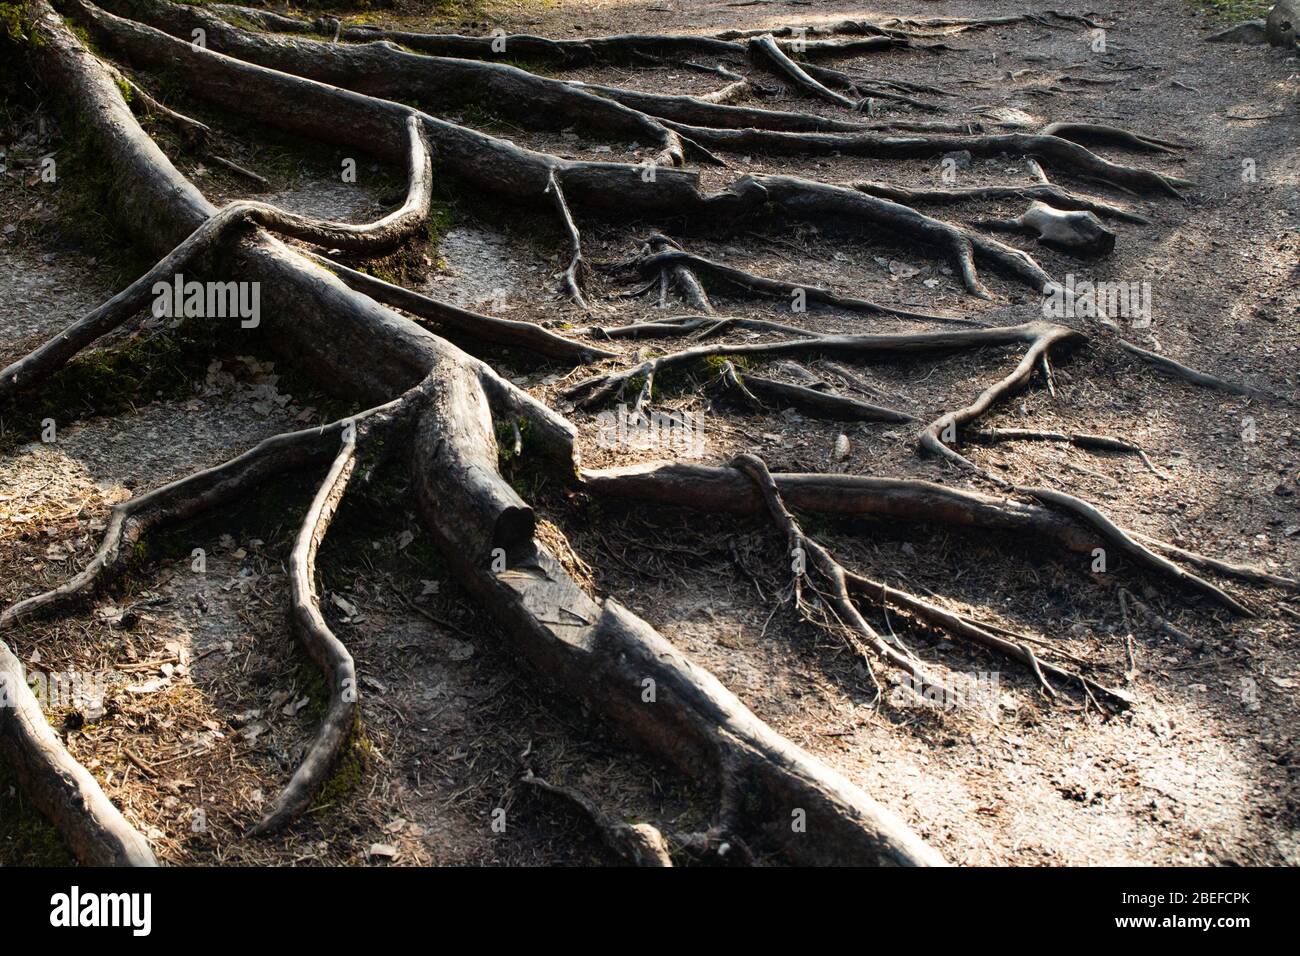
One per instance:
(214, 702)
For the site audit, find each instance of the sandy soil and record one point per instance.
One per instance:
(219, 701)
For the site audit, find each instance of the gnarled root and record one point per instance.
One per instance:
(320, 643)
(861, 637)
(208, 237)
(639, 844)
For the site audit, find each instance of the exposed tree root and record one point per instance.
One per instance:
(825, 77)
(482, 328)
(618, 48)
(1041, 337)
(332, 321)
(320, 643)
(812, 401)
(963, 627)
(175, 502)
(383, 69)
(58, 786)
(388, 231)
(693, 326)
(1243, 572)
(1059, 153)
(184, 499)
(1141, 554)
(572, 275)
(962, 24)
(1039, 191)
(639, 844)
(764, 49)
(907, 500)
(1187, 374)
(861, 637)
(687, 285)
(1109, 136)
(1078, 439)
(672, 256)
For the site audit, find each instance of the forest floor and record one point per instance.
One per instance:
(213, 700)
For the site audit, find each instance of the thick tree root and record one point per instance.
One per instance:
(797, 197)
(207, 238)
(58, 786)
(602, 653)
(672, 256)
(1044, 192)
(329, 320)
(618, 663)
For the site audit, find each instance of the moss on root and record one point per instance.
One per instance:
(26, 837)
(106, 381)
(350, 769)
(15, 23)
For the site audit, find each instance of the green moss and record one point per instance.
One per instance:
(536, 67)
(441, 219)
(15, 23)
(26, 837)
(506, 439)
(351, 768)
(715, 363)
(155, 365)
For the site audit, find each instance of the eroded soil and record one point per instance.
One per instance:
(215, 702)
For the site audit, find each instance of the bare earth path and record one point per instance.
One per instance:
(216, 703)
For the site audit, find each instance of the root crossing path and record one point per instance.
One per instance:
(446, 414)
